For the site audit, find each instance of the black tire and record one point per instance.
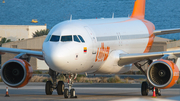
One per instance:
(144, 88)
(60, 88)
(158, 91)
(48, 88)
(66, 93)
(72, 93)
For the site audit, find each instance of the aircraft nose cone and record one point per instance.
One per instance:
(57, 57)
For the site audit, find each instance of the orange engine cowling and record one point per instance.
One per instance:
(16, 72)
(163, 74)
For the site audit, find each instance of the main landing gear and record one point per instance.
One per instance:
(50, 86)
(146, 86)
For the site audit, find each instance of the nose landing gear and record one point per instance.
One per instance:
(70, 90)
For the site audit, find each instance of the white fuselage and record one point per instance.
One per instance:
(104, 39)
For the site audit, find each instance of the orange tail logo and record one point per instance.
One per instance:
(139, 9)
(102, 53)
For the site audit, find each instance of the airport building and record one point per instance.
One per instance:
(174, 45)
(16, 32)
(160, 44)
(30, 44)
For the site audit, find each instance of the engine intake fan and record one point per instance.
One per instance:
(16, 73)
(163, 74)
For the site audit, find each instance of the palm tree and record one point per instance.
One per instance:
(4, 40)
(41, 33)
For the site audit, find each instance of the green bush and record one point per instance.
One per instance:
(1, 79)
(45, 80)
(178, 81)
(115, 79)
(90, 81)
(41, 33)
(37, 72)
(139, 72)
(81, 75)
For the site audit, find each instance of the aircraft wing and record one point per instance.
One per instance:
(166, 31)
(37, 54)
(125, 59)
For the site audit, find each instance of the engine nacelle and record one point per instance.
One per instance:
(16, 73)
(163, 74)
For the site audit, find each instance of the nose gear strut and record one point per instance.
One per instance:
(70, 90)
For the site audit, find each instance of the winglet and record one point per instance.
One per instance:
(139, 9)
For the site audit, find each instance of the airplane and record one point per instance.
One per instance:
(97, 46)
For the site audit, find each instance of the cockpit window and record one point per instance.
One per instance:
(80, 37)
(76, 38)
(66, 38)
(55, 38)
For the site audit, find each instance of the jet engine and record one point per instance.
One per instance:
(162, 74)
(16, 73)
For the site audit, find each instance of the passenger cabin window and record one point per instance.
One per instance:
(66, 38)
(80, 37)
(55, 38)
(76, 39)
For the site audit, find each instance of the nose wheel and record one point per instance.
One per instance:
(66, 93)
(70, 91)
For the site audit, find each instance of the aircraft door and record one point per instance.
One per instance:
(93, 38)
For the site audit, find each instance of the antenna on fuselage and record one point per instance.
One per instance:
(112, 15)
(70, 17)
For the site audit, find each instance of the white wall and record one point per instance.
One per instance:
(41, 65)
(15, 32)
(33, 29)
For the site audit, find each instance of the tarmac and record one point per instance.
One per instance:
(88, 92)
(122, 76)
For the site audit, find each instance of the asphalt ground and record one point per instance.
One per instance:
(122, 76)
(88, 92)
